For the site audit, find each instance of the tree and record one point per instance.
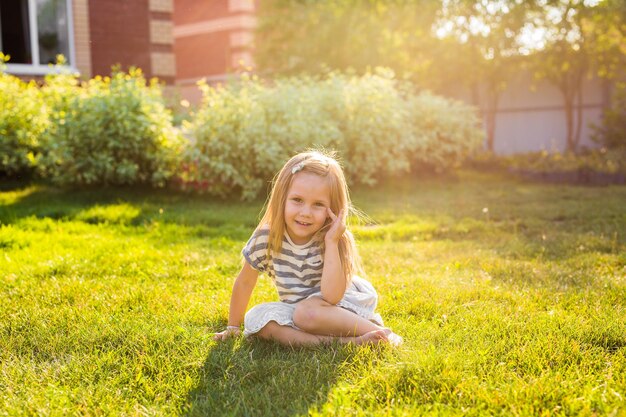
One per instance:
(486, 54)
(295, 36)
(581, 38)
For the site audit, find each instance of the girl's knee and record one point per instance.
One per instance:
(306, 313)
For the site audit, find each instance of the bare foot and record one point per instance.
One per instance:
(372, 338)
(393, 338)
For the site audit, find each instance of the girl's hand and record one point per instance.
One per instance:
(337, 227)
(231, 331)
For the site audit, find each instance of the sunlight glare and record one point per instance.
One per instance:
(477, 27)
(531, 39)
(13, 197)
(541, 28)
(444, 30)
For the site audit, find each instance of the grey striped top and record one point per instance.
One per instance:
(296, 270)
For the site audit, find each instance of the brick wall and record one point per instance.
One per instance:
(162, 58)
(82, 49)
(132, 33)
(161, 32)
(212, 40)
(120, 34)
(200, 56)
(166, 6)
(192, 11)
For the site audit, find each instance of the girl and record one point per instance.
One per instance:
(303, 245)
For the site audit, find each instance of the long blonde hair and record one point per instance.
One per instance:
(325, 165)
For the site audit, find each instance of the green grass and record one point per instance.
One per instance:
(109, 298)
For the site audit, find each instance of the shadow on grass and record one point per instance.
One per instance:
(47, 202)
(8, 184)
(251, 377)
(134, 206)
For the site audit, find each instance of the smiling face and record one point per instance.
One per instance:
(308, 199)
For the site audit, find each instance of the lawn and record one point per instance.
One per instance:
(511, 298)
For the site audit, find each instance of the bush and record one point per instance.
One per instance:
(596, 160)
(57, 92)
(447, 131)
(372, 114)
(111, 131)
(244, 132)
(612, 132)
(23, 119)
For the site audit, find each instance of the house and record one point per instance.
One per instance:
(93, 35)
(211, 42)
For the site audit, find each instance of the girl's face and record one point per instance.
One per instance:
(306, 207)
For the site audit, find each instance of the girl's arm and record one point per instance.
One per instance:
(333, 280)
(242, 290)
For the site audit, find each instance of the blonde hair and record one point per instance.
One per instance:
(325, 165)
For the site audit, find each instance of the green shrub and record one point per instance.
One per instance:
(23, 119)
(373, 116)
(612, 132)
(111, 130)
(58, 91)
(447, 131)
(612, 161)
(244, 132)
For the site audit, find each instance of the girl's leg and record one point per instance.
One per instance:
(316, 316)
(292, 337)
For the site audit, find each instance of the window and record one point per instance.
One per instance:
(34, 32)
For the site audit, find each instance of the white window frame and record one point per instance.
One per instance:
(36, 68)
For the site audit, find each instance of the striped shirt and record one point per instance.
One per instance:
(296, 270)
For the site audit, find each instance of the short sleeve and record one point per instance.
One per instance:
(255, 251)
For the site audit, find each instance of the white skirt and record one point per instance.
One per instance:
(360, 298)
